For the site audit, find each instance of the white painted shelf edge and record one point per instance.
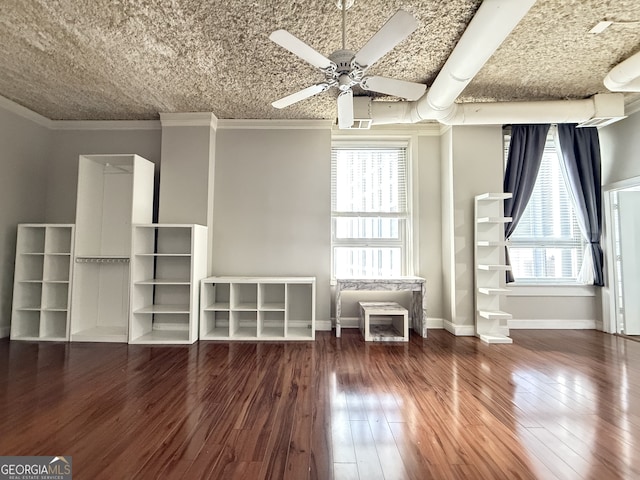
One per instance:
(490, 321)
(260, 314)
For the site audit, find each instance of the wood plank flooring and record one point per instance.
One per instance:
(554, 405)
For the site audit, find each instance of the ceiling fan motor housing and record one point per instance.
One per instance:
(342, 59)
(347, 72)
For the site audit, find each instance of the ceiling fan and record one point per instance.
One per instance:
(345, 68)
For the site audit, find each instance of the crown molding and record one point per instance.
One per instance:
(24, 112)
(189, 119)
(105, 125)
(206, 119)
(229, 124)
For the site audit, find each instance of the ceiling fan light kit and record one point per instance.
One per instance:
(346, 69)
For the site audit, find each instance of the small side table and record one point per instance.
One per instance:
(395, 328)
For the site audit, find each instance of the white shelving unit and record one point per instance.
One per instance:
(168, 262)
(41, 293)
(490, 320)
(258, 308)
(114, 192)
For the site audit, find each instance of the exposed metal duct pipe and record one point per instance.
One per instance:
(492, 23)
(625, 77)
(490, 26)
(599, 110)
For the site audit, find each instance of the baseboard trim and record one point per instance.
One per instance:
(354, 322)
(349, 322)
(536, 324)
(459, 330)
(435, 323)
(5, 331)
(323, 325)
(469, 330)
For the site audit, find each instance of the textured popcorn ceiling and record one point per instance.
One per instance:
(131, 59)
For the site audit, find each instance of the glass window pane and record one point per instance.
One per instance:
(549, 213)
(545, 263)
(381, 228)
(367, 262)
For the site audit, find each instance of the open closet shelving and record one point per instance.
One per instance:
(114, 192)
(168, 262)
(41, 293)
(258, 308)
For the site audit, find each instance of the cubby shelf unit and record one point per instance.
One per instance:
(114, 192)
(490, 321)
(168, 262)
(258, 308)
(41, 289)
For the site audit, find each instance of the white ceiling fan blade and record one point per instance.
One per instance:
(397, 28)
(301, 49)
(345, 109)
(301, 95)
(392, 86)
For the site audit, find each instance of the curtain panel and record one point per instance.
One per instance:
(580, 148)
(523, 162)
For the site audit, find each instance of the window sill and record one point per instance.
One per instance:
(553, 290)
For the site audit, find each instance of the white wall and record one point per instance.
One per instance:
(620, 149)
(571, 307)
(477, 168)
(184, 185)
(429, 225)
(68, 145)
(446, 201)
(24, 153)
(272, 205)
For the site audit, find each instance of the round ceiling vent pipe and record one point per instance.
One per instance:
(490, 26)
(607, 105)
(493, 22)
(625, 77)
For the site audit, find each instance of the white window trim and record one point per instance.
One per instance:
(346, 139)
(551, 290)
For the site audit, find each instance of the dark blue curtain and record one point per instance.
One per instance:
(581, 155)
(523, 162)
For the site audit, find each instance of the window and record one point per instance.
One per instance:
(547, 245)
(370, 214)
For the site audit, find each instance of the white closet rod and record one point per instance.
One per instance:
(102, 260)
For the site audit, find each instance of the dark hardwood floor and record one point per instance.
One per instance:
(555, 404)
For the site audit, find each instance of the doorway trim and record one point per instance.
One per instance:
(610, 292)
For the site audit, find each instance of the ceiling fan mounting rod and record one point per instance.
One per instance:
(344, 22)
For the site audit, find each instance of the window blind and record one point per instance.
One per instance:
(369, 180)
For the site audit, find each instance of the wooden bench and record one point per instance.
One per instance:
(384, 322)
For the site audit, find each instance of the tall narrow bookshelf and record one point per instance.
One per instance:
(168, 262)
(491, 323)
(258, 308)
(114, 192)
(41, 289)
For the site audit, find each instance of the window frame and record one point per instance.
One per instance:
(405, 227)
(540, 242)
